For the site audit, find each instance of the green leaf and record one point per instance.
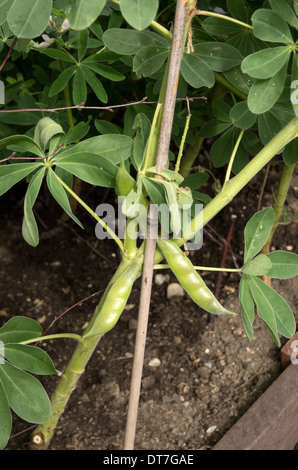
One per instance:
(238, 9)
(264, 93)
(29, 19)
(79, 91)
(155, 191)
(149, 60)
(218, 55)
(213, 127)
(29, 226)
(139, 13)
(265, 309)
(257, 231)
(239, 79)
(221, 110)
(221, 27)
(26, 396)
(13, 173)
(284, 264)
(4, 9)
(113, 147)
(92, 168)
(57, 54)
(285, 11)
(269, 126)
(129, 42)
(23, 142)
(247, 307)
(58, 192)
(82, 15)
(241, 116)
(6, 418)
(142, 125)
(106, 127)
(18, 329)
(267, 62)
(45, 129)
(258, 266)
(290, 153)
(269, 26)
(30, 358)
(196, 72)
(95, 84)
(195, 180)
(83, 44)
(77, 133)
(222, 148)
(63, 79)
(272, 308)
(105, 71)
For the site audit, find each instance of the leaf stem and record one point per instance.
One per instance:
(229, 169)
(223, 17)
(92, 213)
(202, 268)
(54, 336)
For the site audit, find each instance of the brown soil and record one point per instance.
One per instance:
(209, 373)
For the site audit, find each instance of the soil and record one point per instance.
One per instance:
(200, 374)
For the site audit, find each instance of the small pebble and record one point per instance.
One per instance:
(154, 362)
(174, 290)
(160, 279)
(211, 430)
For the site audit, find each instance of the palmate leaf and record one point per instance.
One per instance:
(219, 56)
(284, 264)
(58, 192)
(257, 231)
(139, 13)
(264, 93)
(82, 16)
(272, 308)
(285, 11)
(29, 19)
(95, 84)
(79, 91)
(269, 26)
(6, 418)
(129, 42)
(29, 226)
(149, 60)
(13, 173)
(247, 307)
(18, 329)
(196, 71)
(30, 358)
(63, 79)
(267, 62)
(26, 396)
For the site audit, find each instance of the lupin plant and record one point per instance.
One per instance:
(228, 73)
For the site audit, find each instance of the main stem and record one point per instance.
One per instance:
(43, 434)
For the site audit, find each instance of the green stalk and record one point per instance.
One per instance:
(280, 198)
(189, 156)
(234, 186)
(223, 17)
(43, 434)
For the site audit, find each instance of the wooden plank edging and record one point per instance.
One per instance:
(271, 423)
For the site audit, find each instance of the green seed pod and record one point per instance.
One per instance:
(124, 182)
(116, 300)
(189, 279)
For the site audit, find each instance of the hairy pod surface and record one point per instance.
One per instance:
(189, 279)
(116, 300)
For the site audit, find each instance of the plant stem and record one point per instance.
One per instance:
(43, 434)
(186, 127)
(94, 215)
(189, 156)
(55, 336)
(202, 268)
(223, 17)
(280, 198)
(229, 169)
